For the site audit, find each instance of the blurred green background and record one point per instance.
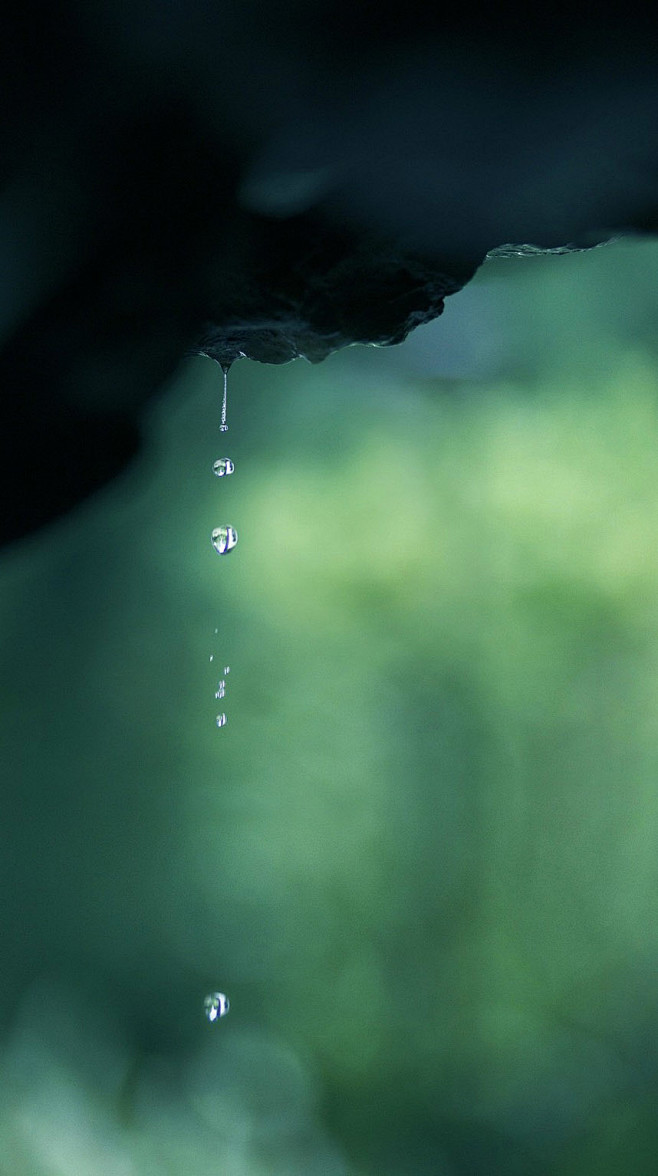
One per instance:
(421, 857)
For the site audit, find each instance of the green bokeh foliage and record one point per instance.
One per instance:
(421, 856)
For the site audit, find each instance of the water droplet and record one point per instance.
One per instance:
(227, 670)
(223, 428)
(221, 720)
(212, 657)
(216, 1005)
(224, 539)
(223, 467)
(221, 689)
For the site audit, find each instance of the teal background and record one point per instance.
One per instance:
(421, 857)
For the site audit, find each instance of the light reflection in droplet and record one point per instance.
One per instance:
(223, 467)
(216, 1005)
(224, 539)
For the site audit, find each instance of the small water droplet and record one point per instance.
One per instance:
(212, 657)
(221, 720)
(227, 670)
(221, 689)
(224, 539)
(216, 1005)
(223, 467)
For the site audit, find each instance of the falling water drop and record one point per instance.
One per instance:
(227, 670)
(223, 428)
(221, 720)
(216, 1005)
(223, 467)
(224, 539)
(221, 689)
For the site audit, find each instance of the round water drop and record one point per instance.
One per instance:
(224, 539)
(221, 689)
(221, 720)
(216, 1005)
(222, 467)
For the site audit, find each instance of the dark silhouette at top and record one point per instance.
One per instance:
(278, 181)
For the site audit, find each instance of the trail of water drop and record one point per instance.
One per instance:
(223, 427)
(224, 539)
